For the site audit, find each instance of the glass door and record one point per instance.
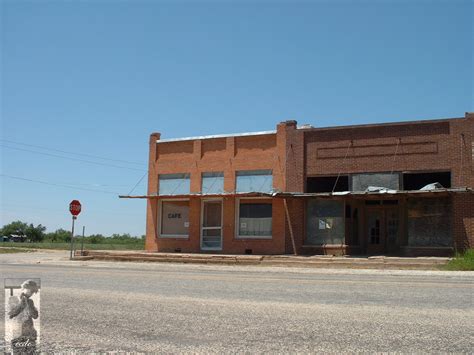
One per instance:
(211, 225)
(375, 231)
(392, 221)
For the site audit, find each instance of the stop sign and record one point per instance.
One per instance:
(75, 207)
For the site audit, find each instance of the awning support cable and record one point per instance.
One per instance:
(463, 144)
(395, 155)
(343, 162)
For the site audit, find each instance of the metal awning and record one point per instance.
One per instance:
(204, 195)
(386, 193)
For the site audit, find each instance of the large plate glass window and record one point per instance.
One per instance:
(174, 218)
(174, 184)
(429, 222)
(254, 218)
(325, 222)
(254, 181)
(213, 183)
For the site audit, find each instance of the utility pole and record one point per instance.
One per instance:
(82, 242)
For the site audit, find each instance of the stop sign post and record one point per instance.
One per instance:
(75, 208)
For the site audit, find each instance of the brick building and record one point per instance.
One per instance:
(395, 188)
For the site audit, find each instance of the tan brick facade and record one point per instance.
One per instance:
(293, 155)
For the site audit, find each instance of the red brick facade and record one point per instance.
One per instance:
(295, 154)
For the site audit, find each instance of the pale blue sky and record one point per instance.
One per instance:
(97, 77)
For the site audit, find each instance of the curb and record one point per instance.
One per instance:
(261, 260)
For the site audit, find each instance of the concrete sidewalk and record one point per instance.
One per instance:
(315, 261)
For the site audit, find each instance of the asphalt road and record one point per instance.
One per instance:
(106, 306)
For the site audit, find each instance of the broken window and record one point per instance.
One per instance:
(325, 222)
(213, 183)
(429, 222)
(254, 181)
(174, 219)
(327, 183)
(360, 182)
(416, 181)
(174, 184)
(254, 218)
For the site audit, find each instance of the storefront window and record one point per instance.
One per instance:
(325, 222)
(174, 219)
(174, 184)
(429, 222)
(254, 219)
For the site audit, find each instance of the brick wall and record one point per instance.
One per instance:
(412, 146)
(293, 154)
(463, 221)
(228, 155)
(420, 146)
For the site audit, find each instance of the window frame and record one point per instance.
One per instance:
(160, 217)
(237, 219)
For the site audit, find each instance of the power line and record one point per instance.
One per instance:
(139, 181)
(59, 185)
(36, 208)
(69, 158)
(73, 153)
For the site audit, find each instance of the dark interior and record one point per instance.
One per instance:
(326, 183)
(415, 181)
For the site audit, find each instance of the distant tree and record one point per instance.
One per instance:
(17, 227)
(59, 236)
(35, 234)
(96, 238)
(125, 238)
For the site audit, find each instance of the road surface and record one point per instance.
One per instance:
(109, 306)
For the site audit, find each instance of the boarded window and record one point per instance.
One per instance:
(254, 181)
(325, 222)
(255, 219)
(174, 184)
(360, 182)
(174, 218)
(213, 183)
(429, 222)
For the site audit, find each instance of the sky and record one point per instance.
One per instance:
(84, 84)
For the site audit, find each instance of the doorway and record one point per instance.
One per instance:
(211, 225)
(382, 229)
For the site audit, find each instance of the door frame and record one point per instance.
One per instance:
(201, 227)
(383, 247)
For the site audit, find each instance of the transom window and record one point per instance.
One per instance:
(212, 183)
(360, 182)
(254, 181)
(174, 184)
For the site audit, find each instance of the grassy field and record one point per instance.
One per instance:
(463, 262)
(67, 246)
(14, 250)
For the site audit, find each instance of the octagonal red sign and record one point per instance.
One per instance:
(75, 207)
